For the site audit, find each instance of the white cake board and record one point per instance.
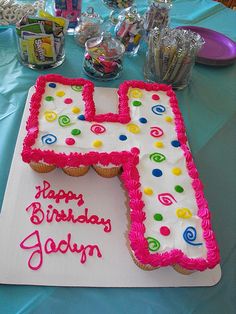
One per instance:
(103, 197)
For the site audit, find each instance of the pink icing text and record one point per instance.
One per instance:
(50, 246)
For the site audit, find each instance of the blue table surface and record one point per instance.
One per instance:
(208, 105)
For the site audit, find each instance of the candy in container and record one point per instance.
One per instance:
(116, 6)
(103, 57)
(89, 25)
(157, 15)
(129, 29)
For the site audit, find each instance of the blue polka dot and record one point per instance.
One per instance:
(122, 137)
(143, 120)
(52, 85)
(81, 117)
(175, 143)
(156, 172)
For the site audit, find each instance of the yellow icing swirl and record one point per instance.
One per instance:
(183, 213)
(133, 128)
(136, 93)
(50, 116)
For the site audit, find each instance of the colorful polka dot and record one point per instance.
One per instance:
(168, 119)
(176, 171)
(81, 117)
(70, 141)
(122, 137)
(158, 144)
(60, 93)
(133, 128)
(175, 143)
(165, 231)
(155, 97)
(75, 132)
(97, 143)
(148, 191)
(136, 93)
(184, 213)
(75, 109)
(68, 101)
(136, 103)
(49, 98)
(143, 120)
(179, 189)
(157, 173)
(52, 85)
(158, 217)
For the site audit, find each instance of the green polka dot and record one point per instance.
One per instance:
(77, 88)
(49, 98)
(137, 103)
(179, 189)
(75, 132)
(158, 217)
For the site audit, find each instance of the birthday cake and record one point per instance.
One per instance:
(145, 141)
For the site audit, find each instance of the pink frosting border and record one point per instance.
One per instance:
(129, 161)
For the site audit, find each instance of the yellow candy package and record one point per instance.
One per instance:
(41, 49)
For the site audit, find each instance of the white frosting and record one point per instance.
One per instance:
(145, 143)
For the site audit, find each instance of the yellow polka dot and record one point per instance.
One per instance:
(183, 213)
(60, 93)
(97, 143)
(135, 93)
(168, 119)
(158, 144)
(148, 191)
(176, 171)
(133, 128)
(75, 109)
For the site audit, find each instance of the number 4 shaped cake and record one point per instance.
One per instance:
(145, 141)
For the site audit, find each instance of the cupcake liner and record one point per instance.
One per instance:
(182, 270)
(76, 171)
(107, 172)
(40, 167)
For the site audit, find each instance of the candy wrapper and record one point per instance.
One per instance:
(129, 29)
(157, 15)
(171, 56)
(41, 40)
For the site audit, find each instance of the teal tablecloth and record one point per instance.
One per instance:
(209, 109)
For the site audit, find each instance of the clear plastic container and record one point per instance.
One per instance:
(129, 30)
(103, 57)
(89, 25)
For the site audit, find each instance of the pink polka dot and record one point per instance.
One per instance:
(155, 97)
(68, 101)
(165, 231)
(70, 141)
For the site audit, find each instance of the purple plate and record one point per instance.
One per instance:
(218, 48)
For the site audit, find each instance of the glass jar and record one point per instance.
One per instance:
(129, 30)
(157, 15)
(68, 9)
(171, 56)
(40, 45)
(103, 57)
(116, 6)
(89, 25)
